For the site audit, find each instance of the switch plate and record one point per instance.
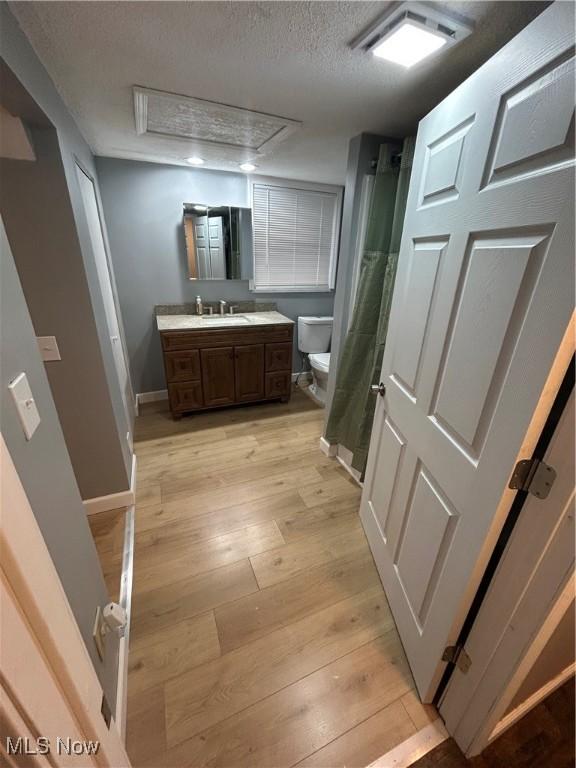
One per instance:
(25, 404)
(48, 347)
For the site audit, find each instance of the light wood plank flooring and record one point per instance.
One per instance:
(260, 632)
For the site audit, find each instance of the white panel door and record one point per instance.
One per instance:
(217, 256)
(483, 297)
(104, 279)
(202, 251)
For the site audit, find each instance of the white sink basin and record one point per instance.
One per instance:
(225, 320)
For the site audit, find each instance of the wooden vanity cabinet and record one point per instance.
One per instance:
(221, 366)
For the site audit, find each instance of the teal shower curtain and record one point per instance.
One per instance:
(352, 411)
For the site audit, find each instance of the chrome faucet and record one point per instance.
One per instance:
(223, 307)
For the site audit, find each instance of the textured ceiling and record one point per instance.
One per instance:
(285, 58)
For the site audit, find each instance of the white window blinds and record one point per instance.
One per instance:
(295, 238)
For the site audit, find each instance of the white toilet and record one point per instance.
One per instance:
(314, 335)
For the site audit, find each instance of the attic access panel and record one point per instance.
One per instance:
(160, 113)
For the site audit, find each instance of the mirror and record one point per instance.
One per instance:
(218, 242)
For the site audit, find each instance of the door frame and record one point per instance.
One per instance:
(475, 707)
(52, 686)
(80, 165)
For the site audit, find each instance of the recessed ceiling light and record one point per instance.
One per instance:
(412, 31)
(195, 160)
(408, 43)
(247, 167)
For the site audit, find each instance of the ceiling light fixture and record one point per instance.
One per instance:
(195, 160)
(247, 167)
(411, 32)
(408, 43)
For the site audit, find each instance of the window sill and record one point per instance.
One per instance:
(290, 289)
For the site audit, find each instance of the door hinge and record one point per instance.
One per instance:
(455, 654)
(533, 476)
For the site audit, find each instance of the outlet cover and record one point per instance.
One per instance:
(48, 347)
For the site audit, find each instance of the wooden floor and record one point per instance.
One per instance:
(260, 633)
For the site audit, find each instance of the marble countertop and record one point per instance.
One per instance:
(240, 320)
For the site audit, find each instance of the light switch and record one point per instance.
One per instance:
(48, 348)
(25, 404)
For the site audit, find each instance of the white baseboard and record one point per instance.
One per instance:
(344, 458)
(113, 500)
(306, 375)
(328, 449)
(342, 455)
(150, 397)
(126, 603)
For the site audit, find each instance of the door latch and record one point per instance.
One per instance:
(378, 389)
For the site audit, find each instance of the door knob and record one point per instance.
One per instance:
(378, 389)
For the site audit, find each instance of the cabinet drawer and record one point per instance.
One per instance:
(278, 384)
(182, 366)
(185, 396)
(213, 337)
(279, 357)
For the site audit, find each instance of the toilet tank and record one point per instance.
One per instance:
(314, 334)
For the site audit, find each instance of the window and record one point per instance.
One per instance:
(295, 235)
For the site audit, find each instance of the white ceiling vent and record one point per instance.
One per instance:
(208, 124)
(410, 31)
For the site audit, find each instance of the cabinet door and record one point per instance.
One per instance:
(249, 370)
(278, 384)
(279, 356)
(218, 376)
(182, 366)
(185, 396)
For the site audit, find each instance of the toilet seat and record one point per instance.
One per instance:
(320, 361)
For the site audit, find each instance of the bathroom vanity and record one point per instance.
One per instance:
(218, 360)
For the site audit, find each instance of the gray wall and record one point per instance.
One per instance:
(98, 418)
(143, 211)
(37, 214)
(44, 468)
(362, 155)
